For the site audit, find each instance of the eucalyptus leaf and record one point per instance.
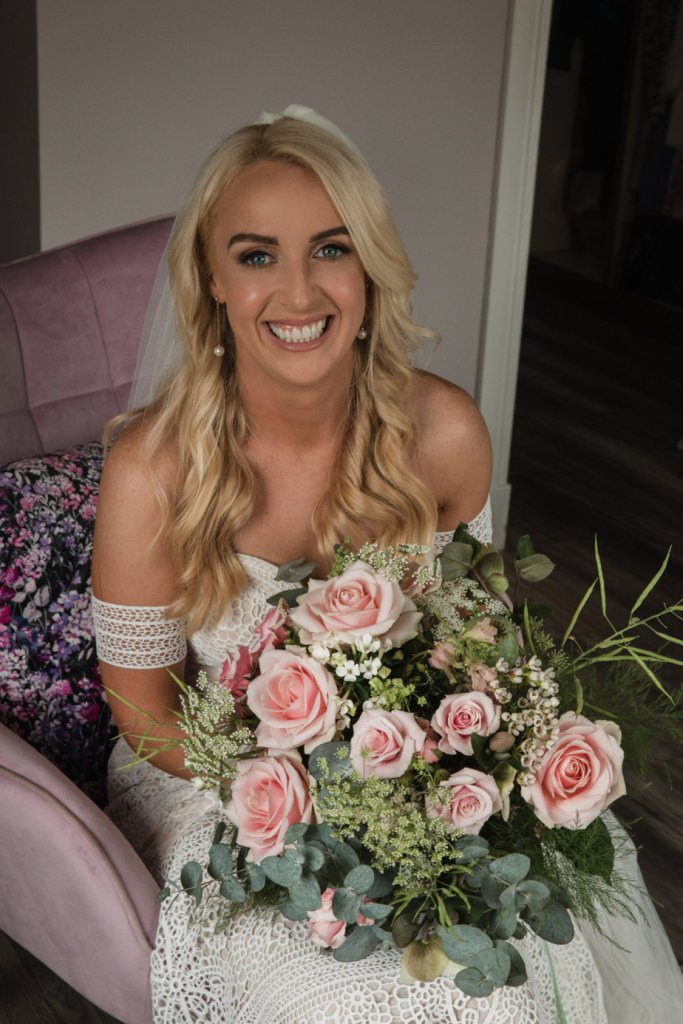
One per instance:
(220, 861)
(289, 596)
(191, 879)
(296, 832)
(163, 894)
(345, 857)
(282, 872)
(292, 912)
(257, 877)
(219, 831)
(294, 571)
(491, 890)
(305, 893)
(504, 923)
(314, 858)
(534, 568)
(346, 905)
(476, 875)
(512, 899)
(535, 893)
(470, 849)
(322, 834)
(327, 758)
(360, 879)
(233, 889)
(359, 944)
(473, 983)
(375, 911)
(511, 868)
(517, 975)
(553, 924)
(293, 854)
(381, 886)
(462, 942)
(494, 964)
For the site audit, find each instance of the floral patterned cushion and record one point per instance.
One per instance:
(50, 687)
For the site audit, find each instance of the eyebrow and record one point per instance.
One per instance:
(247, 236)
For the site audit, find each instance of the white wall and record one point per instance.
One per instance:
(133, 93)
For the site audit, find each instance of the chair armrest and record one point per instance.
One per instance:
(73, 891)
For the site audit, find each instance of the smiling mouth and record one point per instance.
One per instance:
(298, 335)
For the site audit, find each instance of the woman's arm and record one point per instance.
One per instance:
(132, 567)
(454, 455)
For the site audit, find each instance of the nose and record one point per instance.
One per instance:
(298, 286)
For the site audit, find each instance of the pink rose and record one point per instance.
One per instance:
(459, 715)
(236, 674)
(359, 602)
(294, 698)
(429, 751)
(580, 775)
(323, 927)
(466, 800)
(271, 631)
(238, 670)
(268, 795)
(385, 742)
(482, 676)
(442, 656)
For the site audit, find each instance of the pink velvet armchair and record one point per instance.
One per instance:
(72, 889)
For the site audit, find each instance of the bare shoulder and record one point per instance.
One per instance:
(128, 544)
(454, 454)
(126, 465)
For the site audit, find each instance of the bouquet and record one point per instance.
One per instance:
(405, 757)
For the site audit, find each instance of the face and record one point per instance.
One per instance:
(283, 263)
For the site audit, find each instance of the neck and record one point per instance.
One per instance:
(296, 417)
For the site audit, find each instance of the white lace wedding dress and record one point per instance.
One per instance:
(263, 970)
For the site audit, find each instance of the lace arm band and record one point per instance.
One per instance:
(480, 527)
(137, 637)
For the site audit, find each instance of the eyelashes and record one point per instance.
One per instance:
(330, 251)
(255, 258)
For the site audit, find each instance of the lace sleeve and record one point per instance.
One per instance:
(137, 637)
(480, 527)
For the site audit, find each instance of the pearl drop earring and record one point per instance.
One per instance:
(218, 348)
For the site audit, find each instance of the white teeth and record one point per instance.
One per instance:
(295, 334)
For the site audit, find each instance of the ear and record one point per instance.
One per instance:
(216, 291)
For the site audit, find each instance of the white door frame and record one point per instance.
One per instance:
(512, 209)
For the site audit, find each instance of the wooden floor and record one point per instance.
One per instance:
(599, 417)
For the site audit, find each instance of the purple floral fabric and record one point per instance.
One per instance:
(50, 687)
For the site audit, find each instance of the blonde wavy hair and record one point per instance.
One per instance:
(374, 493)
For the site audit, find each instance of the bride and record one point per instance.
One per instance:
(290, 418)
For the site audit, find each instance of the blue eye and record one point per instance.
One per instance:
(255, 258)
(331, 251)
